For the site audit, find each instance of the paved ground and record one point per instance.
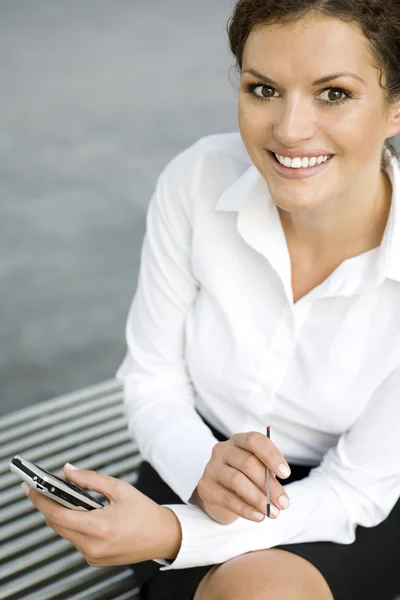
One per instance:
(96, 97)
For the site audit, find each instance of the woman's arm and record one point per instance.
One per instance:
(158, 394)
(357, 483)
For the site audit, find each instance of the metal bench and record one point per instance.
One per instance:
(87, 428)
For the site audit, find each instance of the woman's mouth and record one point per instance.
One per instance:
(299, 168)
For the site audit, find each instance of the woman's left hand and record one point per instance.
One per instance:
(130, 529)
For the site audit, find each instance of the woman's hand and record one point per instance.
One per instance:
(234, 482)
(130, 529)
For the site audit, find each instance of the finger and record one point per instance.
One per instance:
(98, 482)
(249, 464)
(265, 450)
(76, 538)
(244, 488)
(237, 482)
(57, 515)
(227, 499)
(256, 472)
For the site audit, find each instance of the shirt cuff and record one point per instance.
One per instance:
(206, 542)
(197, 530)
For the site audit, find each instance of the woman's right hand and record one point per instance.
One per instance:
(234, 482)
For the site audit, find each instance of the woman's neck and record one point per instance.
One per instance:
(331, 234)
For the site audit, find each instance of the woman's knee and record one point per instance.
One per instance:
(264, 575)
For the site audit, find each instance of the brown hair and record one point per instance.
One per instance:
(379, 21)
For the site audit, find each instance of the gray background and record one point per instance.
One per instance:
(96, 97)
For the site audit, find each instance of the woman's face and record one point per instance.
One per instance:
(283, 109)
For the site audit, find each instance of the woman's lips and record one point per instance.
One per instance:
(302, 173)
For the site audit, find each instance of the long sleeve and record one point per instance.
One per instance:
(158, 394)
(357, 483)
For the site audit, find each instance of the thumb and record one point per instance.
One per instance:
(91, 480)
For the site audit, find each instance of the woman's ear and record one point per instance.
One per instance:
(394, 119)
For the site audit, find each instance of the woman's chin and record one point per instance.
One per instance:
(295, 204)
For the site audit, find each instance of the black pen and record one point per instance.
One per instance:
(268, 479)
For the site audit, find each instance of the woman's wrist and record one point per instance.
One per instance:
(172, 536)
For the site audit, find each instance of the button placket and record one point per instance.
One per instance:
(279, 352)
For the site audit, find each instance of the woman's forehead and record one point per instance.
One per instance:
(317, 46)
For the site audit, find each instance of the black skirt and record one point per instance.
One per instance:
(367, 569)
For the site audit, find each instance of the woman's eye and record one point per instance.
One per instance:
(334, 95)
(264, 91)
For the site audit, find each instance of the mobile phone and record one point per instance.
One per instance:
(62, 491)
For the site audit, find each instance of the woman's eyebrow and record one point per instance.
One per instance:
(317, 82)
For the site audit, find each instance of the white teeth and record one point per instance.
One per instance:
(298, 163)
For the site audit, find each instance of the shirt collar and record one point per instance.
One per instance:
(233, 198)
(390, 246)
(260, 225)
(258, 221)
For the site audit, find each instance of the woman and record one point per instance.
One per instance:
(268, 294)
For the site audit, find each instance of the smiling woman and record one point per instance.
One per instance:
(318, 148)
(269, 294)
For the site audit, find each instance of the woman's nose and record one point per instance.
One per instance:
(295, 122)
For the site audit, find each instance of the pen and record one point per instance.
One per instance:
(268, 479)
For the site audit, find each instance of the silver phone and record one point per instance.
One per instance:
(62, 491)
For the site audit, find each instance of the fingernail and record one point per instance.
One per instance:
(284, 502)
(275, 512)
(71, 467)
(26, 488)
(284, 470)
(258, 516)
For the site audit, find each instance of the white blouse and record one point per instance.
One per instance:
(213, 327)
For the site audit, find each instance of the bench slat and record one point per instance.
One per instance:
(87, 428)
(49, 551)
(45, 572)
(102, 584)
(110, 585)
(52, 406)
(74, 427)
(47, 421)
